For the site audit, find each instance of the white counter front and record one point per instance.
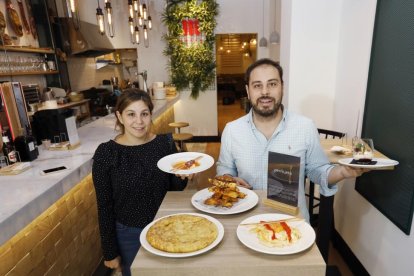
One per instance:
(25, 196)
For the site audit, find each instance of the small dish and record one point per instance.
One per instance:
(381, 163)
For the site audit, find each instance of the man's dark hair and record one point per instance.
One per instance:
(263, 61)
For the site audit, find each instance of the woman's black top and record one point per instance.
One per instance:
(129, 186)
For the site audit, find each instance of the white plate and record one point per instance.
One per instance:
(252, 241)
(381, 163)
(242, 205)
(165, 164)
(340, 150)
(148, 247)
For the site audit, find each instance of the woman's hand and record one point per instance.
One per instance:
(114, 264)
(188, 176)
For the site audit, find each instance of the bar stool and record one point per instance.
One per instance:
(179, 137)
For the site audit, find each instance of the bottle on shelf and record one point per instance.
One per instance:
(51, 65)
(45, 67)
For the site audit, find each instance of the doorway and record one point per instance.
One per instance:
(234, 53)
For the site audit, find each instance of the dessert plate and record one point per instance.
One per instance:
(203, 162)
(381, 163)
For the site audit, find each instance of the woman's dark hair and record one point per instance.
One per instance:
(263, 61)
(127, 97)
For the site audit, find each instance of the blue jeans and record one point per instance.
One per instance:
(128, 243)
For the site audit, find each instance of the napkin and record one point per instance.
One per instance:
(340, 150)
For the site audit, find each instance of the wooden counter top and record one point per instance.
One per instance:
(230, 257)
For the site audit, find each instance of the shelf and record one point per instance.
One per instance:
(26, 49)
(28, 73)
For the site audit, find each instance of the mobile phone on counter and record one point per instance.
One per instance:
(53, 170)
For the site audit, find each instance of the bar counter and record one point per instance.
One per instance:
(38, 213)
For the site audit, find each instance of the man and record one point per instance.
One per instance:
(246, 142)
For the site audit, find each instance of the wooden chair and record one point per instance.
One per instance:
(314, 201)
(179, 137)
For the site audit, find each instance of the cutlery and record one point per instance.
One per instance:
(186, 164)
(273, 221)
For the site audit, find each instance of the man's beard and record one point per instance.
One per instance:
(266, 112)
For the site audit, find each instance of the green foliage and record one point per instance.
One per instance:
(193, 65)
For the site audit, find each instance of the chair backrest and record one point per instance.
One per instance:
(330, 133)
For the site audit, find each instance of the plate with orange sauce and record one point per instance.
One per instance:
(185, 163)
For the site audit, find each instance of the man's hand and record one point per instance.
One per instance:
(341, 172)
(114, 264)
(242, 183)
(351, 172)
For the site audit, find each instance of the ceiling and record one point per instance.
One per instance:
(234, 43)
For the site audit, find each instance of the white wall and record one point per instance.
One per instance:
(327, 81)
(380, 246)
(313, 46)
(198, 113)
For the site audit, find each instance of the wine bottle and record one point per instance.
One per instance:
(8, 150)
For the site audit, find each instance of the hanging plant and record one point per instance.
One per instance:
(191, 63)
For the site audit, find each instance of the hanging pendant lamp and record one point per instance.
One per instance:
(263, 40)
(274, 37)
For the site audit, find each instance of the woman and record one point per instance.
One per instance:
(129, 185)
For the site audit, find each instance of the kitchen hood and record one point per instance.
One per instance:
(87, 41)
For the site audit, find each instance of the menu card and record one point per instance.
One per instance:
(283, 182)
(72, 131)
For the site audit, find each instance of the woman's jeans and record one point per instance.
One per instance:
(128, 243)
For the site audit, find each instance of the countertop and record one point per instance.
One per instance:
(25, 196)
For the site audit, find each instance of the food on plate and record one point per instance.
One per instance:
(225, 191)
(186, 165)
(182, 233)
(276, 234)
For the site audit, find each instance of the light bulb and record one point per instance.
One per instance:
(146, 41)
(108, 10)
(100, 19)
(136, 35)
(136, 5)
(140, 20)
(73, 5)
(149, 23)
(130, 9)
(144, 12)
(131, 25)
